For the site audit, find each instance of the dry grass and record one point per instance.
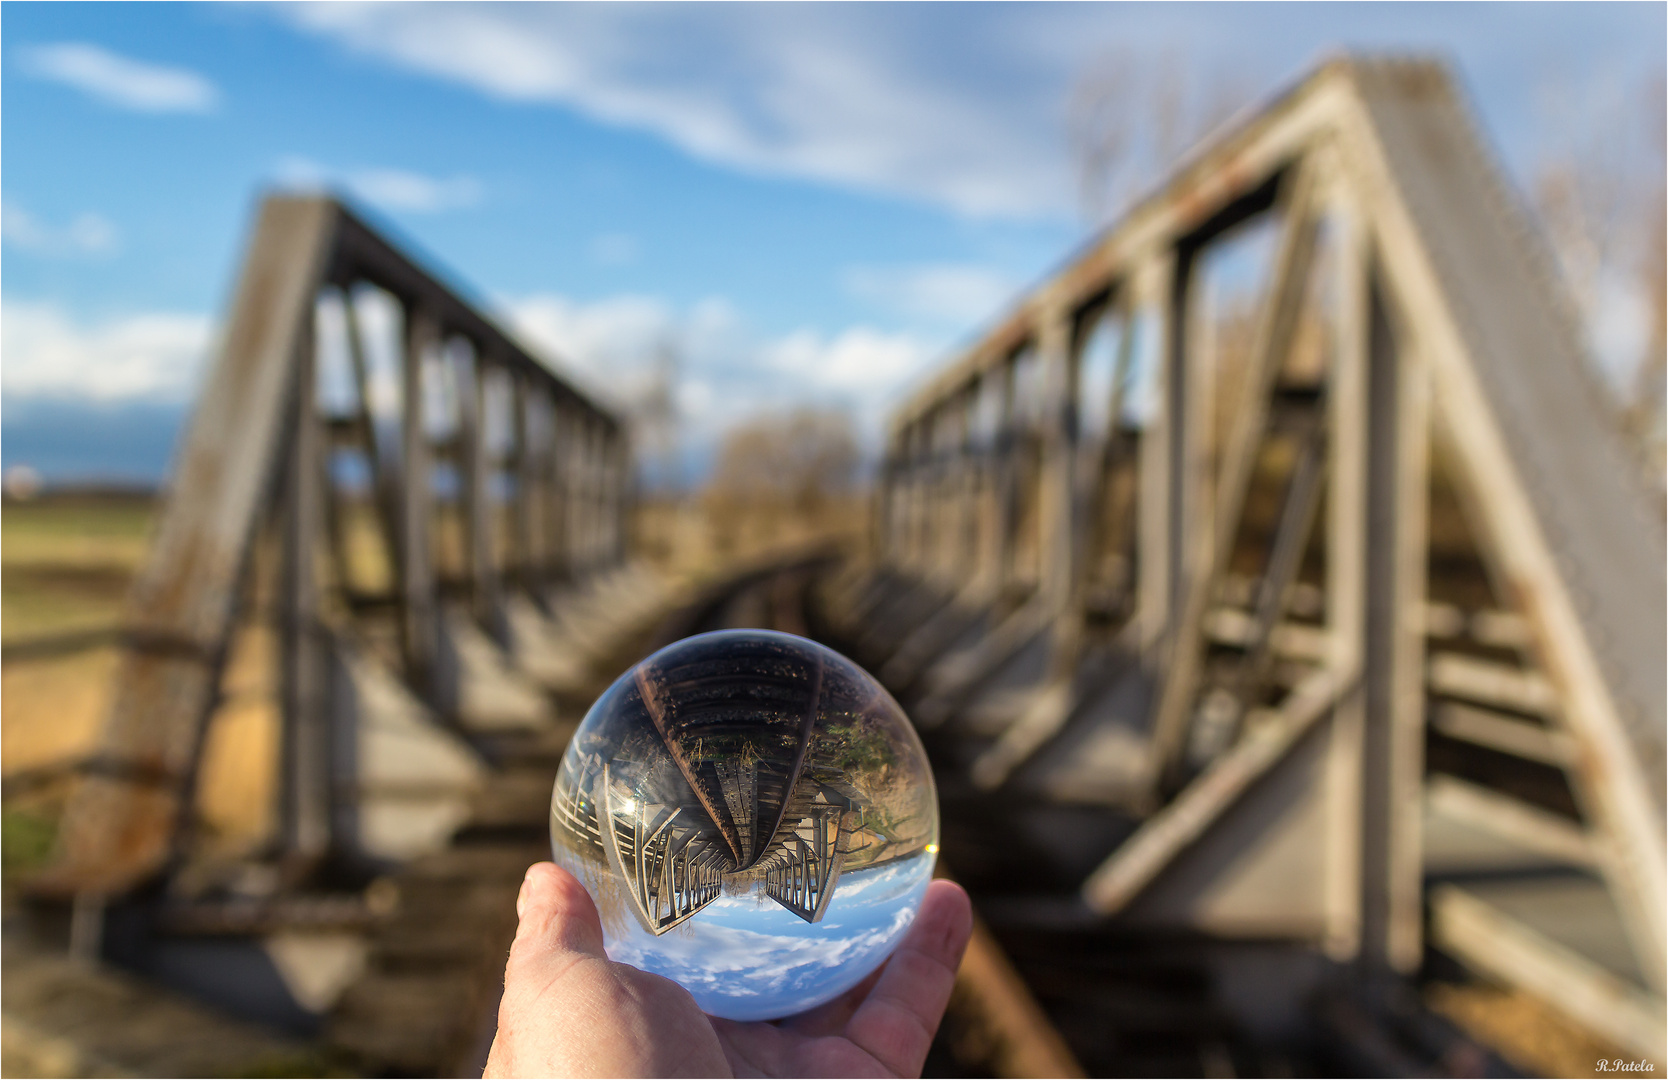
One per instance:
(237, 789)
(66, 566)
(699, 537)
(1523, 1029)
(53, 708)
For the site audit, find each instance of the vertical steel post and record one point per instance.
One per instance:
(1059, 457)
(419, 616)
(1153, 288)
(476, 467)
(1397, 507)
(529, 551)
(1346, 570)
(967, 485)
(305, 795)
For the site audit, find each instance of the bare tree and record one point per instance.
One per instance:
(800, 461)
(655, 416)
(782, 480)
(1600, 194)
(1102, 130)
(1130, 116)
(1645, 410)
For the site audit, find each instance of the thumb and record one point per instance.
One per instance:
(557, 915)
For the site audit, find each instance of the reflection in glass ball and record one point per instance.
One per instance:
(755, 818)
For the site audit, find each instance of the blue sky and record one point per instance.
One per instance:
(810, 203)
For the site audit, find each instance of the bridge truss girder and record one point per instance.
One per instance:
(803, 872)
(671, 867)
(536, 485)
(1002, 528)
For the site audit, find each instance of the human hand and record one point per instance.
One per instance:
(570, 1011)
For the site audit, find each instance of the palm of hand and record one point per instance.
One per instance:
(570, 1011)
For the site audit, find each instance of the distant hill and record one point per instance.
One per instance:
(89, 444)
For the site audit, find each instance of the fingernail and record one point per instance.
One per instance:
(521, 899)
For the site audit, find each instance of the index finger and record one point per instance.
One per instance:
(897, 1021)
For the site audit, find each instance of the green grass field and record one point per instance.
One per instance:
(65, 567)
(65, 564)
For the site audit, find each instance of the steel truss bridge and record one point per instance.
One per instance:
(670, 876)
(674, 859)
(1321, 653)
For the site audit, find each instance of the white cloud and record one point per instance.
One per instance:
(727, 371)
(959, 294)
(608, 344)
(154, 356)
(119, 80)
(391, 189)
(857, 360)
(86, 234)
(401, 190)
(861, 369)
(857, 96)
(1618, 329)
(748, 959)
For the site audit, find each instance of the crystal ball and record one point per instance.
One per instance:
(755, 818)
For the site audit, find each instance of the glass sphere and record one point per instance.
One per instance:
(755, 818)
